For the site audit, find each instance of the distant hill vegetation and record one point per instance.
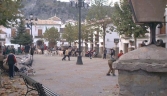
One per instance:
(45, 9)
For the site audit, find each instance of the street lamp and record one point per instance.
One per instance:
(30, 21)
(149, 12)
(79, 4)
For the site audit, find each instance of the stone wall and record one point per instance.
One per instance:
(132, 83)
(143, 72)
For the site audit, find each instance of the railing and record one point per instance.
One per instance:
(2, 39)
(38, 36)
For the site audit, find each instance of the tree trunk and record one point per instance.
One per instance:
(104, 36)
(135, 41)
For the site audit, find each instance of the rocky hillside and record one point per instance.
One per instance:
(45, 9)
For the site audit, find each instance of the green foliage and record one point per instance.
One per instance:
(70, 33)
(99, 11)
(51, 35)
(122, 19)
(9, 10)
(22, 37)
(25, 39)
(99, 15)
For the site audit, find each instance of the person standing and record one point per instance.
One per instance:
(120, 53)
(112, 53)
(12, 49)
(90, 53)
(42, 48)
(11, 60)
(32, 48)
(104, 53)
(27, 48)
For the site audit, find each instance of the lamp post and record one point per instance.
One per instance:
(141, 71)
(79, 4)
(30, 21)
(152, 15)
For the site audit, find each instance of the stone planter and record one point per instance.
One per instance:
(143, 72)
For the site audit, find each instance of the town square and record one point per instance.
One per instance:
(83, 48)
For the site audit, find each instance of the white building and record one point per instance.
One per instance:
(41, 25)
(38, 29)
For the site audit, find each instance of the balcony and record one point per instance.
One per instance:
(2, 39)
(38, 36)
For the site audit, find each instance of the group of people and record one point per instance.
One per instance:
(90, 53)
(112, 53)
(8, 49)
(11, 59)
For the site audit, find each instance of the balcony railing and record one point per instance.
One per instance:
(38, 36)
(2, 39)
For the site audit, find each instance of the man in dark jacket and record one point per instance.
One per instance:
(27, 48)
(11, 60)
(104, 53)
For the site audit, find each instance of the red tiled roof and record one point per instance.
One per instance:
(55, 18)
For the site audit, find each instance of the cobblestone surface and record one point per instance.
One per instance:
(69, 79)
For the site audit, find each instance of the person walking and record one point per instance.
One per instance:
(11, 60)
(64, 54)
(69, 53)
(110, 62)
(104, 53)
(111, 70)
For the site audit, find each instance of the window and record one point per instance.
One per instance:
(28, 31)
(13, 32)
(39, 32)
(162, 30)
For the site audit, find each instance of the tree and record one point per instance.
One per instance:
(21, 37)
(123, 22)
(9, 10)
(70, 33)
(51, 35)
(98, 14)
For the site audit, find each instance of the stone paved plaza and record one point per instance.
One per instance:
(68, 79)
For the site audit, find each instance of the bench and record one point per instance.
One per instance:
(33, 85)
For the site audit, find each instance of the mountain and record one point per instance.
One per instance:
(44, 9)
